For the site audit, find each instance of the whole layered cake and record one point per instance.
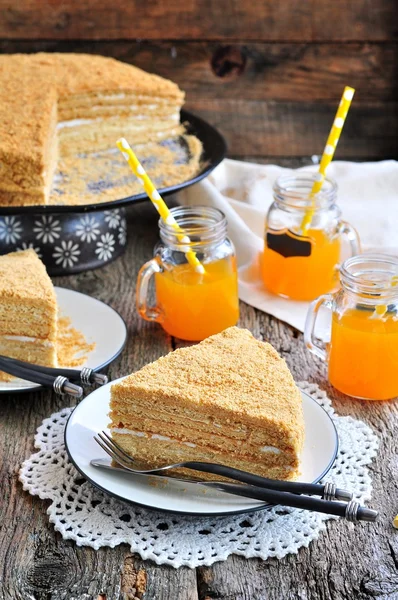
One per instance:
(58, 107)
(230, 399)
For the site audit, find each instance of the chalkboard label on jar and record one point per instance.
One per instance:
(289, 244)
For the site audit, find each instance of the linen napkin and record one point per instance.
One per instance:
(367, 195)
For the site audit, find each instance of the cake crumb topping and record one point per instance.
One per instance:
(72, 347)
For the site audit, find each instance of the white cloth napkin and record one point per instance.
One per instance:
(367, 195)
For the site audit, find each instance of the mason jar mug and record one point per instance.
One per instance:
(305, 238)
(191, 305)
(362, 355)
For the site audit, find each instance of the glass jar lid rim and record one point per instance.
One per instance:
(371, 263)
(298, 185)
(205, 221)
(209, 212)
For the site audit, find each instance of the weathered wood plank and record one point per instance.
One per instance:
(283, 102)
(291, 20)
(294, 129)
(167, 583)
(315, 72)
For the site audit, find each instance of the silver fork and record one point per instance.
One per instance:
(327, 491)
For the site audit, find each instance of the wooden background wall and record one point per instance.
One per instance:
(267, 73)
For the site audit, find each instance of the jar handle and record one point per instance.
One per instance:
(149, 313)
(347, 230)
(310, 323)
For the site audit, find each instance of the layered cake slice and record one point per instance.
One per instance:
(28, 309)
(230, 399)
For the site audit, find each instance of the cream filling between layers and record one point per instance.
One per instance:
(164, 438)
(231, 431)
(149, 451)
(174, 117)
(154, 436)
(25, 338)
(109, 99)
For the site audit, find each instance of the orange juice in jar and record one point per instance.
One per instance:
(191, 305)
(363, 351)
(302, 263)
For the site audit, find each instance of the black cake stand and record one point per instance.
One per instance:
(70, 240)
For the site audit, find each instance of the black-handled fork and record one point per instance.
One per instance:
(86, 376)
(352, 511)
(59, 383)
(328, 491)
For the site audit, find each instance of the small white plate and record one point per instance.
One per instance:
(97, 321)
(91, 416)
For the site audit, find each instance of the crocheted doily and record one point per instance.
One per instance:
(84, 514)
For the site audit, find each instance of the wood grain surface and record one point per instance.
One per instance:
(271, 99)
(265, 20)
(301, 72)
(347, 562)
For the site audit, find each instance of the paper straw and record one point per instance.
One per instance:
(381, 309)
(329, 151)
(158, 201)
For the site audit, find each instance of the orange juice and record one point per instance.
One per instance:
(194, 306)
(303, 277)
(363, 359)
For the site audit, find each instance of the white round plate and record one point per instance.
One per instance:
(97, 321)
(91, 417)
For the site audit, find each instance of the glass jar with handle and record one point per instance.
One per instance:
(191, 305)
(362, 355)
(301, 262)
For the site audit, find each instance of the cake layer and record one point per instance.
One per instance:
(25, 319)
(28, 304)
(186, 425)
(248, 449)
(29, 349)
(92, 106)
(86, 135)
(161, 450)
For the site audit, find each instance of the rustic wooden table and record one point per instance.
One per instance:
(346, 561)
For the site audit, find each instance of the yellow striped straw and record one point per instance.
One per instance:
(329, 151)
(381, 309)
(158, 201)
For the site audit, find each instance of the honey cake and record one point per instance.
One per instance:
(28, 309)
(54, 105)
(230, 399)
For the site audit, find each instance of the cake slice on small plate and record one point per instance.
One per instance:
(230, 399)
(28, 309)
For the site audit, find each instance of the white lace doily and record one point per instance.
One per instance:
(84, 514)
